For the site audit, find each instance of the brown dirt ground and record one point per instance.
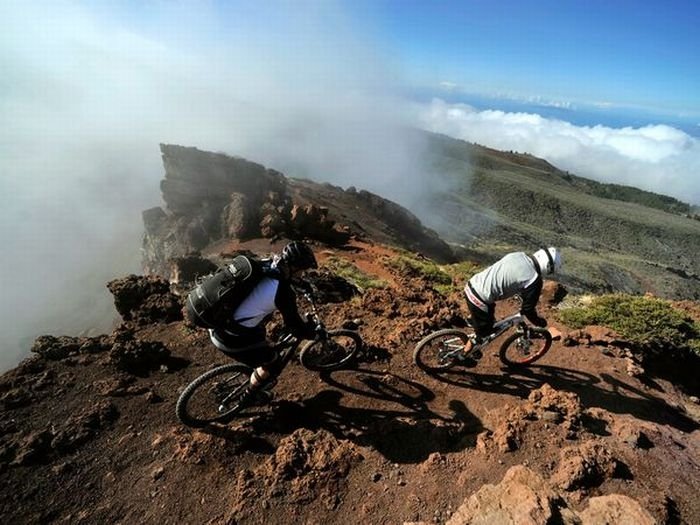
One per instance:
(381, 443)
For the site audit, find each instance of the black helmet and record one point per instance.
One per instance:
(299, 255)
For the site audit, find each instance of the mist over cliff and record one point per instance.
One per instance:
(90, 90)
(89, 94)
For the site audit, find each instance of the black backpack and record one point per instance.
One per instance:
(216, 296)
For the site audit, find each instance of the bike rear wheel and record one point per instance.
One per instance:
(214, 396)
(435, 352)
(332, 352)
(520, 349)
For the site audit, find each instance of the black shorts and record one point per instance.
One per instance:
(249, 347)
(480, 320)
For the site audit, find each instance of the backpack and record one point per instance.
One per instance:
(216, 296)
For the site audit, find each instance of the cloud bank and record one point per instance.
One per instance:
(656, 158)
(90, 89)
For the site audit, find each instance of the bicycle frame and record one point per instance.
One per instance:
(285, 347)
(288, 342)
(499, 328)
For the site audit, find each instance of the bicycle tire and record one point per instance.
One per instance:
(424, 349)
(318, 356)
(508, 350)
(185, 409)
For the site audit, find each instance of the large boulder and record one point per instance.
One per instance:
(145, 299)
(585, 466)
(617, 509)
(136, 356)
(521, 498)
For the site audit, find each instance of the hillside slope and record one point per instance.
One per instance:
(497, 201)
(88, 432)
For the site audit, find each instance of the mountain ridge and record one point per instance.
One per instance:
(609, 245)
(597, 431)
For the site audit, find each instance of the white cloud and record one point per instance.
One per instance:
(90, 89)
(657, 158)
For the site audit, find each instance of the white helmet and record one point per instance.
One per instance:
(549, 259)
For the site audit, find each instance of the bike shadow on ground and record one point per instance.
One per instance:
(607, 392)
(385, 411)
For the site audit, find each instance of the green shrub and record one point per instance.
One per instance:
(646, 321)
(441, 278)
(462, 270)
(352, 273)
(425, 268)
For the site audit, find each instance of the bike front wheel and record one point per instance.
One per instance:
(214, 396)
(521, 349)
(438, 351)
(332, 352)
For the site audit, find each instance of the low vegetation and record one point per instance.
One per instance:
(631, 194)
(443, 278)
(647, 321)
(352, 273)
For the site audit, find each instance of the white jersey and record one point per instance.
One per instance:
(258, 305)
(512, 274)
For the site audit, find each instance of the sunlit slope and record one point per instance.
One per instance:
(506, 200)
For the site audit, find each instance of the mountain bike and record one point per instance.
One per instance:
(215, 396)
(444, 349)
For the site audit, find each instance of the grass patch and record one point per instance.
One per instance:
(443, 278)
(647, 321)
(459, 273)
(352, 273)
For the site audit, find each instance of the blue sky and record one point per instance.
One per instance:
(623, 53)
(612, 55)
(323, 89)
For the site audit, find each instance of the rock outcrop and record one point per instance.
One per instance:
(145, 299)
(212, 197)
(524, 498)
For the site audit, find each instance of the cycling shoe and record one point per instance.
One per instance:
(471, 359)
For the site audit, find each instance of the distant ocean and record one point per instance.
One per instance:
(613, 117)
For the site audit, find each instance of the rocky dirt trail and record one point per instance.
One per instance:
(88, 432)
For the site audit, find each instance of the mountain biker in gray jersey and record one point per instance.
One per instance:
(244, 337)
(516, 273)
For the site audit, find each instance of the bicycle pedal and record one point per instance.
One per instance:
(269, 385)
(263, 397)
(471, 359)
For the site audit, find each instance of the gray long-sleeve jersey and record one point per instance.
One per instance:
(514, 273)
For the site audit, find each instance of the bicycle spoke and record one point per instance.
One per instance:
(213, 396)
(522, 349)
(331, 353)
(440, 350)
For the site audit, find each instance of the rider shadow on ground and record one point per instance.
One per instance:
(605, 391)
(404, 430)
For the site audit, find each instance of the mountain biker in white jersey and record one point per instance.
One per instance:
(243, 337)
(516, 273)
